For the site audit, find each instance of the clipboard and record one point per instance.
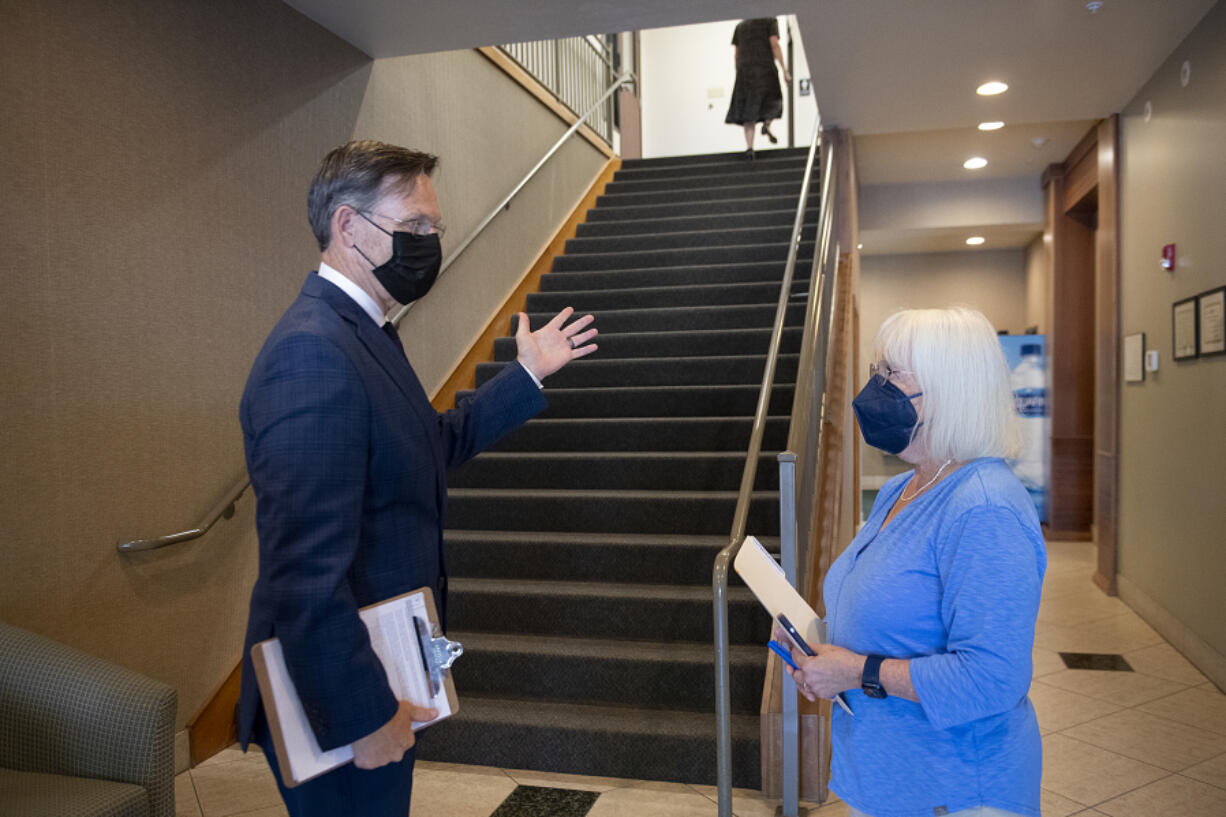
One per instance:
(763, 575)
(405, 634)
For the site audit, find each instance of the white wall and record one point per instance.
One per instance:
(687, 78)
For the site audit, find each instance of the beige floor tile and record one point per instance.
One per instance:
(648, 801)
(231, 788)
(1148, 738)
(1117, 634)
(1123, 688)
(1068, 555)
(1047, 661)
(459, 794)
(1164, 661)
(554, 780)
(1199, 707)
(456, 768)
(1055, 805)
(186, 804)
(1059, 583)
(1174, 795)
(751, 803)
(271, 811)
(1211, 771)
(1072, 609)
(1089, 775)
(233, 753)
(1058, 709)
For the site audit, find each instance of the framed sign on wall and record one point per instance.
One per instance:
(1209, 318)
(1183, 328)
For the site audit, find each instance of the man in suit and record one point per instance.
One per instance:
(348, 458)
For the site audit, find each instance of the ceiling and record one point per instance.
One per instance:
(900, 74)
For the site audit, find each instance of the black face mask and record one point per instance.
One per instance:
(413, 267)
(887, 418)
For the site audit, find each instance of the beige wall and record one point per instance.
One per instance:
(1172, 545)
(155, 157)
(1038, 284)
(992, 281)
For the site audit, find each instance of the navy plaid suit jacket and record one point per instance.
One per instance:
(347, 460)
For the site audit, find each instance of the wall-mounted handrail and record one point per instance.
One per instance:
(225, 507)
(719, 579)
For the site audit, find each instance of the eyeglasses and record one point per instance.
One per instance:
(885, 371)
(418, 225)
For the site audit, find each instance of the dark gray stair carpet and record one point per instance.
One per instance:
(580, 547)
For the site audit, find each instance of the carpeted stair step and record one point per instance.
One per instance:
(660, 371)
(636, 511)
(684, 195)
(644, 434)
(673, 297)
(569, 556)
(635, 612)
(695, 343)
(615, 470)
(733, 236)
(747, 177)
(757, 272)
(629, 172)
(646, 744)
(650, 675)
(785, 217)
(661, 401)
(622, 210)
(670, 320)
(730, 158)
(686, 256)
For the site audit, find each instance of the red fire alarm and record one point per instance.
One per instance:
(1168, 258)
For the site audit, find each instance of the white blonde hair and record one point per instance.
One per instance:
(967, 410)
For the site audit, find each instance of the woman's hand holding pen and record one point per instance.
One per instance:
(831, 671)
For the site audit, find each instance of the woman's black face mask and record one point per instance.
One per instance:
(413, 267)
(887, 418)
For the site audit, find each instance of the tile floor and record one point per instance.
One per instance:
(1146, 743)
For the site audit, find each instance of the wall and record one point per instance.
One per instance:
(1172, 563)
(1038, 284)
(992, 281)
(688, 74)
(156, 156)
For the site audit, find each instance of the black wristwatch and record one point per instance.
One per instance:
(870, 679)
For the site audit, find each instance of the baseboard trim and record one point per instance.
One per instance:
(464, 375)
(1194, 648)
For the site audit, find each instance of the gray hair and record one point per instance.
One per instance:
(968, 408)
(354, 174)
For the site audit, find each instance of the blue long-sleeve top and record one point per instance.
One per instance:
(953, 584)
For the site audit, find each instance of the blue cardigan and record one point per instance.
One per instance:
(952, 583)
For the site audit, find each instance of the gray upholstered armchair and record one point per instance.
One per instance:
(79, 736)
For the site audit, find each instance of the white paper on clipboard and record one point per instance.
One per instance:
(759, 570)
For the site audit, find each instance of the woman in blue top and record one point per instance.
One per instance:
(930, 610)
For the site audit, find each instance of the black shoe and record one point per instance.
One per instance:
(748, 155)
(766, 131)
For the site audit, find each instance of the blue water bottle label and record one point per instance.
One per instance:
(1031, 402)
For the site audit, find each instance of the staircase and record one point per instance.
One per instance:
(580, 548)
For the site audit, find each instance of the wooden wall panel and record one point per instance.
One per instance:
(1107, 351)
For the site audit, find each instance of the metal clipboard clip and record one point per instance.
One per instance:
(438, 653)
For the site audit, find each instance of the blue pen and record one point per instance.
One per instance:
(783, 653)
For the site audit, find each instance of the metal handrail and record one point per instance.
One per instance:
(225, 507)
(719, 579)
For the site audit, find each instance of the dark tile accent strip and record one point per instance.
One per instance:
(1094, 660)
(539, 801)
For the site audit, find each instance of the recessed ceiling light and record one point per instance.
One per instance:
(859, 246)
(975, 240)
(975, 162)
(991, 88)
(991, 125)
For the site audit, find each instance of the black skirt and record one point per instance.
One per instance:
(756, 96)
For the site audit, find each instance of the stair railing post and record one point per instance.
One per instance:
(791, 713)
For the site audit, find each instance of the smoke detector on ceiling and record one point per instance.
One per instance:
(1093, 6)
(1038, 142)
